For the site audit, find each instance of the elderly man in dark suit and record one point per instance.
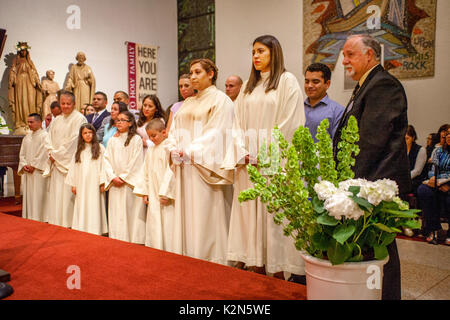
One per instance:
(99, 102)
(380, 107)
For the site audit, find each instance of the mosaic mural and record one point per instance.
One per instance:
(406, 28)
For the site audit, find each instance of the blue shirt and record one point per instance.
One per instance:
(326, 108)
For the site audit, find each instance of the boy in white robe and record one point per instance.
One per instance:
(163, 229)
(32, 163)
(61, 144)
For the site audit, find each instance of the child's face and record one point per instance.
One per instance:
(87, 135)
(89, 110)
(123, 123)
(156, 136)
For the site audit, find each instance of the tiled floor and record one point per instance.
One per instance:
(425, 268)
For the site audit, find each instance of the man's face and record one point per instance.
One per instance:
(99, 102)
(119, 97)
(232, 87)
(315, 85)
(356, 62)
(67, 104)
(34, 124)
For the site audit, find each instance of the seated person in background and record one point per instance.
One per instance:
(439, 138)
(417, 158)
(434, 195)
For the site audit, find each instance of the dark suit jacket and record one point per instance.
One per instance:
(380, 107)
(98, 121)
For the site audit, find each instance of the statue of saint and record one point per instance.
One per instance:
(24, 89)
(81, 81)
(50, 89)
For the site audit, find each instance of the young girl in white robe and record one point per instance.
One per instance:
(87, 179)
(123, 168)
(163, 228)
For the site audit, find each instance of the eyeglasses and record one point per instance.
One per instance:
(122, 120)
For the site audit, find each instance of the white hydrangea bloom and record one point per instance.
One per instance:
(340, 205)
(380, 190)
(344, 185)
(325, 190)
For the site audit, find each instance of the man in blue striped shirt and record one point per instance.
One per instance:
(318, 105)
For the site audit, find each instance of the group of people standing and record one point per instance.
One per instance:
(195, 163)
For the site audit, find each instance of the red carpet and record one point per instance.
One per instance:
(37, 255)
(9, 206)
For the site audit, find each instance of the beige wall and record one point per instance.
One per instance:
(239, 22)
(105, 26)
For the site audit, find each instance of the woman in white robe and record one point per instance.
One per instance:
(271, 97)
(33, 160)
(87, 179)
(124, 168)
(197, 144)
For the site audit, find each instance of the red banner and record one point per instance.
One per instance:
(131, 52)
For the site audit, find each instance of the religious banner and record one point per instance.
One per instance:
(405, 28)
(142, 72)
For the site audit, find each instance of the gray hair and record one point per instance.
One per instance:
(369, 42)
(69, 94)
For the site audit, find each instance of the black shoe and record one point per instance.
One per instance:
(433, 238)
(5, 290)
(301, 279)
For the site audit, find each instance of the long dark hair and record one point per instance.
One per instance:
(132, 129)
(276, 65)
(122, 107)
(95, 148)
(159, 113)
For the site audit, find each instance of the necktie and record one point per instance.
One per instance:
(95, 117)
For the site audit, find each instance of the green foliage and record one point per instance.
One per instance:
(284, 181)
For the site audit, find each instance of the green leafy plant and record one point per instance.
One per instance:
(328, 214)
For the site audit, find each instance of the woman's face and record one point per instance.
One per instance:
(200, 79)
(429, 140)
(443, 134)
(87, 135)
(185, 87)
(409, 140)
(148, 108)
(114, 111)
(261, 57)
(447, 137)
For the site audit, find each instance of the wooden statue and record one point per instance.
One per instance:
(24, 89)
(50, 89)
(81, 82)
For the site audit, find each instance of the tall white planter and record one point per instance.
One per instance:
(347, 281)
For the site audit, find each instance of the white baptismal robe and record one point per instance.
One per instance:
(126, 211)
(163, 227)
(203, 190)
(34, 185)
(89, 212)
(61, 144)
(254, 238)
